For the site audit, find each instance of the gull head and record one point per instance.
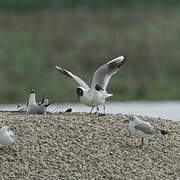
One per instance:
(79, 91)
(132, 118)
(32, 91)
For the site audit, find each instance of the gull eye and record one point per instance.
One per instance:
(131, 118)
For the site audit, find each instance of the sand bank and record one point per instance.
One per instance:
(82, 146)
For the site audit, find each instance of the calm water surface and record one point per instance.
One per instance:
(166, 110)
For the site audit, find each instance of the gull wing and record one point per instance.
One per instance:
(72, 76)
(36, 109)
(145, 128)
(103, 73)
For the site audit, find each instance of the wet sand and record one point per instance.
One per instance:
(82, 146)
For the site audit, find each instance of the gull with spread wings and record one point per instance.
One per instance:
(96, 94)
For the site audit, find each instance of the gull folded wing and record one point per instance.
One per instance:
(145, 128)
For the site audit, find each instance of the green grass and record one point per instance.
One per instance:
(81, 40)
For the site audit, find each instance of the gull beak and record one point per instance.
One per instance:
(126, 121)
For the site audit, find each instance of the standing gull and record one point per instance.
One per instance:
(33, 107)
(6, 136)
(142, 129)
(96, 94)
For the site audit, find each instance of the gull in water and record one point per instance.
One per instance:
(142, 128)
(33, 107)
(96, 94)
(6, 136)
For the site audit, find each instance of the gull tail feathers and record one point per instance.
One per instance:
(109, 95)
(106, 95)
(163, 132)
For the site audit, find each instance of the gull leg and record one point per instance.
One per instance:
(142, 141)
(91, 110)
(104, 108)
(97, 110)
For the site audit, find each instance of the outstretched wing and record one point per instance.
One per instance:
(104, 73)
(72, 76)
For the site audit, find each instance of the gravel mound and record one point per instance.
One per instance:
(82, 146)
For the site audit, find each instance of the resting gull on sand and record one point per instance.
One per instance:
(23, 108)
(33, 107)
(142, 128)
(6, 136)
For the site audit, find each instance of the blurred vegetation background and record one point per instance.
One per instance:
(81, 35)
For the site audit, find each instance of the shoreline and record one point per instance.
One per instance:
(82, 146)
(166, 109)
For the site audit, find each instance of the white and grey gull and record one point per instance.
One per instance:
(143, 129)
(7, 137)
(96, 94)
(37, 108)
(23, 108)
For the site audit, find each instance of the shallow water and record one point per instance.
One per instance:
(165, 109)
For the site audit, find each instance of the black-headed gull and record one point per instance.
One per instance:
(96, 94)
